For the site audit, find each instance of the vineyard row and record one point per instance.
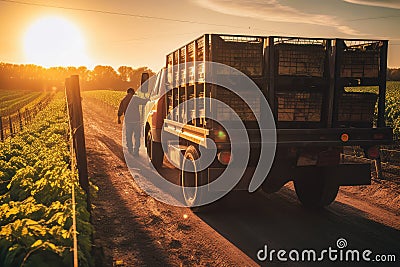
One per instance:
(36, 187)
(14, 123)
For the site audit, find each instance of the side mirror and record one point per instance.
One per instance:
(143, 84)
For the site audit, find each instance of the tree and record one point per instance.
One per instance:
(126, 73)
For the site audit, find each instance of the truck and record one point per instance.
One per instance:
(315, 88)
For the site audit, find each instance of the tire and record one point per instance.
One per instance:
(190, 181)
(154, 151)
(315, 191)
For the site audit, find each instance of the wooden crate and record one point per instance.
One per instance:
(242, 53)
(299, 106)
(359, 63)
(356, 108)
(301, 59)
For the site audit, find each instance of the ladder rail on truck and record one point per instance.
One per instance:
(304, 81)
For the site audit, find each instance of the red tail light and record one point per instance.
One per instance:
(224, 157)
(373, 152)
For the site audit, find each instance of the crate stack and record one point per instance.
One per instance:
(298, 71)
(358, 65)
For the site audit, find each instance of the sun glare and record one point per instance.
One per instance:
(53, 41)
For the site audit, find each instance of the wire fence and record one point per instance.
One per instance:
(78, 151)
(16, 122)
(386, 167)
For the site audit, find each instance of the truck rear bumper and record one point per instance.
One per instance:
(342, 175)
(332, 137)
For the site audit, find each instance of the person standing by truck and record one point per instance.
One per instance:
(129, 107)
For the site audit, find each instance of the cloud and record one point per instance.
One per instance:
(379, 3)
(272, 10)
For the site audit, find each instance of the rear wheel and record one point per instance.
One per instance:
(315, 190)
(154, 151)
(191, 178)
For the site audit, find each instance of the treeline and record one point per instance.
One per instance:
(36, 78)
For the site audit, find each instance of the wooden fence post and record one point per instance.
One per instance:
(1, 129)
(69, 101)
(78, 134)
(11, 126)
(20, 120)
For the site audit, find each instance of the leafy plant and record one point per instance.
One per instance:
(35, 195)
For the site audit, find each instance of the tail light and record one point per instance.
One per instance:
(224, 157)
(373, 152)
(344, 137)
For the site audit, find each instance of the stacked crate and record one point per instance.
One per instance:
(357, 109)
(242, 53)
(297, 59)
(301, 59)
(246, 111)
(299, 106)
(360, 59)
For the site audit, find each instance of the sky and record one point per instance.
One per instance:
(141, 33)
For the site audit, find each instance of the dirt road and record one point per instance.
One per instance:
(133, 229)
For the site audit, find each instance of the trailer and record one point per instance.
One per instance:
(311, 86)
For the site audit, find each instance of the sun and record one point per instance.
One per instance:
(54, 41)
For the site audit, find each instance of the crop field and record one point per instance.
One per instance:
(112, 98)
(12, 101)
(35, 195)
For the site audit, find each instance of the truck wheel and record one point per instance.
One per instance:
(315, 191)
(154, 151)
(191, 180)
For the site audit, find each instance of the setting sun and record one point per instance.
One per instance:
(53, 41)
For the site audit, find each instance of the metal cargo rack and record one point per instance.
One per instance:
(297, 74)
(359, 63)
(244, 111)
(300, 56)
(186, 73)
(360, 58)
(244, 53)
(299, 106)
(356, 109)
(302, 78)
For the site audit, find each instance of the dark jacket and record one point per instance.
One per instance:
(124, 104)
(129, 107)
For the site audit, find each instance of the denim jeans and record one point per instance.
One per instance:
(132, 129)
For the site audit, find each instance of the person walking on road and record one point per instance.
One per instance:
(129, 107)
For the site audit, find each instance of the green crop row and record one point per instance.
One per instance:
(112, 98)
(35, 195)
(11, 102)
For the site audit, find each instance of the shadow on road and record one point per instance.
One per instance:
(280, 222)
(118, 222)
